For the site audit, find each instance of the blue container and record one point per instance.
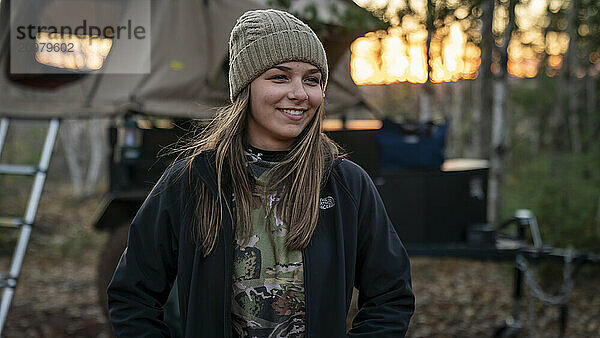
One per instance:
(411, 145)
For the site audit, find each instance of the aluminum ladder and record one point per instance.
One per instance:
(8, 281)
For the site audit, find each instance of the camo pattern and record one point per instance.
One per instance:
(268, 280)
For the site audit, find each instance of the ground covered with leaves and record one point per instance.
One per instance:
(57, 297)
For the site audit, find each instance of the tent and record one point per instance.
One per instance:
(188, 63)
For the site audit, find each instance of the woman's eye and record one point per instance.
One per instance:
(278, 77)
(313, 80)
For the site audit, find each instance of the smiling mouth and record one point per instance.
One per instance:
(294, 112)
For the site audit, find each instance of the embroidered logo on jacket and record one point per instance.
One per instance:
(326, 202)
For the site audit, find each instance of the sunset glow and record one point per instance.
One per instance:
(398, 54)
(73, 52)
(392, 56)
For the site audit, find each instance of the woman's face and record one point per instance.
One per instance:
(282, 102)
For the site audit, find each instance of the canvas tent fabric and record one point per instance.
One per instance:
(188, 65)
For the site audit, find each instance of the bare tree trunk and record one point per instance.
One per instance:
(541, 119)
(427, 90)
(84, 143)
(497, 155)
(590, 84)
(71, 134)
(484, 125)
(498, 152)
(556, 133)
(573, 115)
(425, 103)
(474, 149)
(456, 142)
(571, 63)
(97, 138)
(587, 127)
(542, 115)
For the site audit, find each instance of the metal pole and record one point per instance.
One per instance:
(3, 130)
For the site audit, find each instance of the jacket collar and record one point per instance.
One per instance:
(204, 166)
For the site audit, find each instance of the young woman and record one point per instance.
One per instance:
(265, 227)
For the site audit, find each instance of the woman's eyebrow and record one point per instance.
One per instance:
(283, 68)
(287, 69)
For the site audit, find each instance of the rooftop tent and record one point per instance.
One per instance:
(188, 61)
(188, 64)
(17, 99)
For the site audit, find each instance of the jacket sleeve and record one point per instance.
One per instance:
(386, 301)
(144, 276)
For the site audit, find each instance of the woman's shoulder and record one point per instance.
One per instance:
(182, 169)
(350, 176)
(190, 171)
(349, 170)
(192, 164)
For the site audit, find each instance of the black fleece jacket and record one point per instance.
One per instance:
(354, 244)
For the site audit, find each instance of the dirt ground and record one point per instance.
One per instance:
(57, 297)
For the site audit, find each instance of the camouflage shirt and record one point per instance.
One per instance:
(268, 280)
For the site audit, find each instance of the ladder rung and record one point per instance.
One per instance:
(12, 169)
(7, 281)
(8, 222)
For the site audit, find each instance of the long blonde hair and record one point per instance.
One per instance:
(298, 178)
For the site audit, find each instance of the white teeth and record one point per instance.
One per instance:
(292, 112)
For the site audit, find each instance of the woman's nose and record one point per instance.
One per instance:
(297, 91)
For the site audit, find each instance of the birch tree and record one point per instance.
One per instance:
(85, 146)
(71, 135)
(499, 125)
(457, 107)
(482, 118)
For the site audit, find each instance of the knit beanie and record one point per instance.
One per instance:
(262, 39)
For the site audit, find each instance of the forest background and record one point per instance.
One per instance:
(518, 81)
